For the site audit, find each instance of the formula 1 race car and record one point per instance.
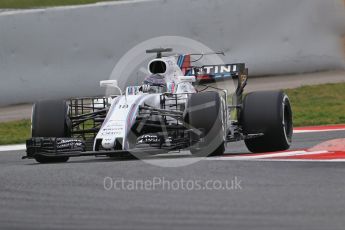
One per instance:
(167, 113)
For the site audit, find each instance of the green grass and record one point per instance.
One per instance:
(25, 4)
(14, 132)
(318, 105)
(311, 105)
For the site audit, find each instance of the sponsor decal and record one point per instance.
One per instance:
(149, 139)
(217, 70)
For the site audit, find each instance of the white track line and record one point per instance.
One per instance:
(5, 148)
(318, 131)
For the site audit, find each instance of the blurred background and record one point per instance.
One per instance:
(62, 49)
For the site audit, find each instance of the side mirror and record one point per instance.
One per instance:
(108, 83)
(190, 79)
(111, 84)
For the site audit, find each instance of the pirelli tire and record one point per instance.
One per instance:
(50, 119)
(268, 113)
(204, 112)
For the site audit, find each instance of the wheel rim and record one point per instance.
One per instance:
(287, 119)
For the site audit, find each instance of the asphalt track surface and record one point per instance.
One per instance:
(271, 195)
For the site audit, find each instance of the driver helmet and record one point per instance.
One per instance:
(155, 80)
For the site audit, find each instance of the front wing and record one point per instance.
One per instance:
(69, 147)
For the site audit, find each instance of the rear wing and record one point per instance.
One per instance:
(215, 73)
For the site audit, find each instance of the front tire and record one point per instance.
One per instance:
(50, 119)
(269, 113)
(204, 112)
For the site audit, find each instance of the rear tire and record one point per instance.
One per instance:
(50, 119)
(204, 112)
(267, 112)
